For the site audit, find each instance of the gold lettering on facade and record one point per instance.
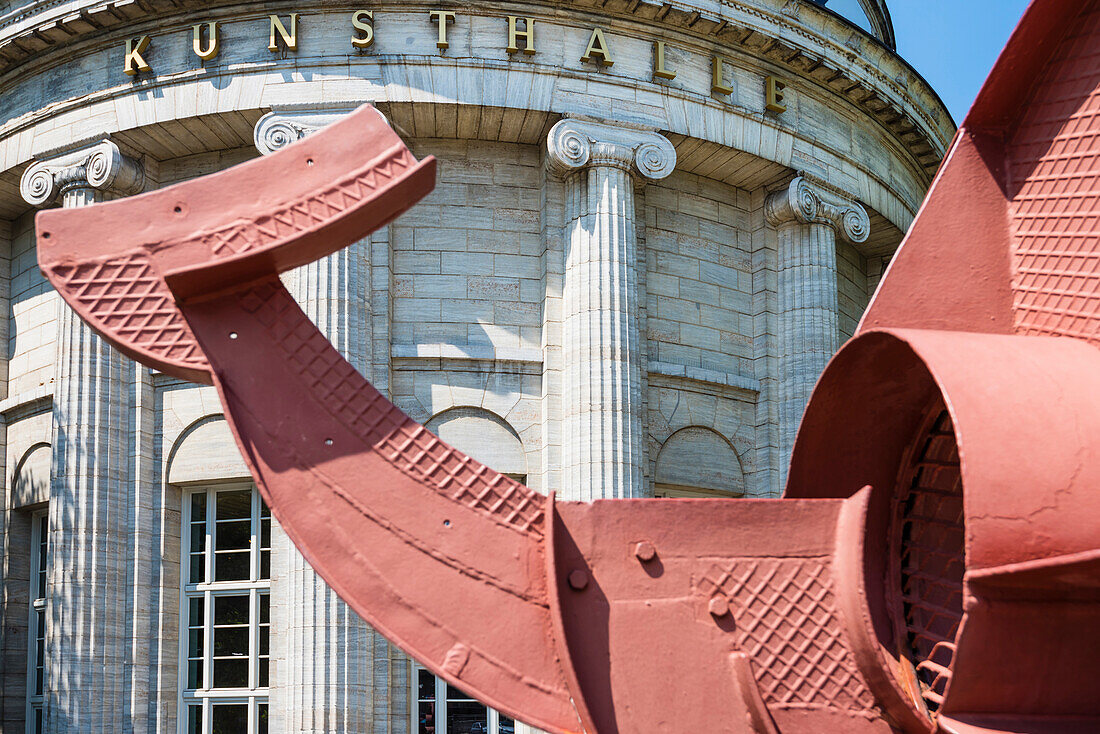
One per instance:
(717, 78)
(289, 38)
(363, 21)
(514, 34)
(442, 17)
(133, 63)
(597, 46)
(659, 69)
(212, 45)
(773, 95)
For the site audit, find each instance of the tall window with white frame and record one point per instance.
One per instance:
(440, 708)
(225, 641)
(36, 628)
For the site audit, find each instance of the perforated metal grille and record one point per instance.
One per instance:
(930, 534)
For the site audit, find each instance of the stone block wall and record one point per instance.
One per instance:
(32, 320)
(853, 292)
(467, 260)
(699, 280)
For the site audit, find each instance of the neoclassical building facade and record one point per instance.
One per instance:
(654, 223)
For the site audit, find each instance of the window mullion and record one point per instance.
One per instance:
(440, 705)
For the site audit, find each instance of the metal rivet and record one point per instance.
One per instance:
(578, 579)
(719, 606)
(232, 335)
(328, 442)
(645, 551)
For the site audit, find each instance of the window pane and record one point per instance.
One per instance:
(232, 609)
(467, 717)
(198, 507)
(264, 668)
(194, 720)
(425, 682)
(507, 726)
(43, 548)
(265, 533)
(194, 674)
(265, 641)
(198, 568)
(234, 535)
(234, 505)
(265, 608)
(231, 566)
(265, 565)
(38, 727)
(195, 608)
(231, 673)
(198, 537)
(425, 717)
(453, 694)
(262, 717)
(231, 641)
(194, 643)
(230, 718)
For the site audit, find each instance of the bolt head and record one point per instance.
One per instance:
(645, 551)
(719, 606)
(578, 579)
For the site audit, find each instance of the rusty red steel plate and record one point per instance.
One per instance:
(934, 565)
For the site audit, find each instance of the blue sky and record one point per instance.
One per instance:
(952, 43)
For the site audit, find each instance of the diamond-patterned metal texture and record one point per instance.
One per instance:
(929, 541)
(1054, 187)
(408, 445)
(126, 297)
(299, 216)
(786, 621)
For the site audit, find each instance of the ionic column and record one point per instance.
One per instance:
(808, 218)
(602, 439)
(88, 631)
(334, 673)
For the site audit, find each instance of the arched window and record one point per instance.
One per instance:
(483, 436)
(437, 707)
(698, 462)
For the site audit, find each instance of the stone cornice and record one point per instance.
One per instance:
(861, 70)
(574, 144)
(100, 166)
(806, 202)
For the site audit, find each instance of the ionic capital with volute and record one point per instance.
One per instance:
(574, 144)
(100, 167)
(807, 202)
(279, 128)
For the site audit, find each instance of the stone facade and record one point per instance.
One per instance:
(625, 284)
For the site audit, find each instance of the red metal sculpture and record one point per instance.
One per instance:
(934, 565)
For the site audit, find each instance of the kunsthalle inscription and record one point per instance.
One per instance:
(519, 36)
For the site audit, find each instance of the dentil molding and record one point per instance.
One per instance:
(806, 202)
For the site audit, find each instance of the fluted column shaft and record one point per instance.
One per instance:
(89, 667)
(602, 438)
(335, 673)
(807, 218)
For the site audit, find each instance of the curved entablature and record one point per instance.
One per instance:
(821, 54)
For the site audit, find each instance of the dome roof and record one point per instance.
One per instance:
(871, 15)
